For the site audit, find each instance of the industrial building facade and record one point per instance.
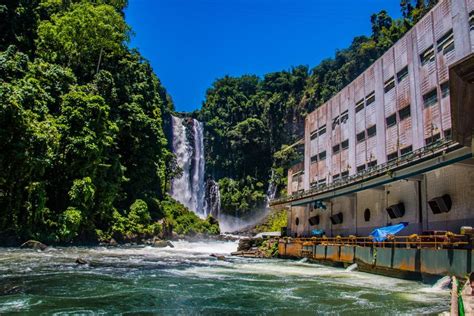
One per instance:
(395, 145)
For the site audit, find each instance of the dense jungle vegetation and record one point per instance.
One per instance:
(83, 153)
(250, 121)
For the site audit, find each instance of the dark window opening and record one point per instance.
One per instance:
(359, 106)
(370, 99)
(389, 85)
(314, 159)
(371, 131)
(430, 98)
(314, 135)
(391, 120)
(367, 215)
(335, 177)
(322, 155)
(297, 221)
(335, 122)
(336, 149)
(444, 89)
(406, 150)
(345, 144)
(322, 130)
(471, 21)
(446, 43)
(373, 163)
(361, 136)
(345, 174)
(404, 113)
(402, 74)
(322, 181)
(432, 139)
(360, 168)
(392, 156)
(427, 56)
(448, 133)
(344, 117)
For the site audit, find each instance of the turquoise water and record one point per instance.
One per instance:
(187, 281)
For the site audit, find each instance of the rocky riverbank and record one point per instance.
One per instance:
(257, 248)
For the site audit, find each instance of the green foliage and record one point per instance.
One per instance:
(239, 197)
(69, 224)
(81, 124)
(186, 222)
(274, 222)
(82, 37)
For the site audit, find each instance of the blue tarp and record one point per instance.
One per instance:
(317, 232)
(380, 234)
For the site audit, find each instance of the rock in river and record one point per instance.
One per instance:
(33, 244)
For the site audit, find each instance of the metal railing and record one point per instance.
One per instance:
(448, 240)
(372, 172)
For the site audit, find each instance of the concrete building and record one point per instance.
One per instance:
(395, 145)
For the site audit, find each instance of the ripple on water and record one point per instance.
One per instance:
(186, 280)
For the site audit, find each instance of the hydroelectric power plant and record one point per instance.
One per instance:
(394, 147)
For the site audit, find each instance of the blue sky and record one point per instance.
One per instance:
(190, 43)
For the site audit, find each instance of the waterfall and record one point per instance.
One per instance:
(272, 189)
(212, 203)
(191, 188)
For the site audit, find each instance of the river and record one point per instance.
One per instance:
(186, 280)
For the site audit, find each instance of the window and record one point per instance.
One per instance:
(335, 122)
(406, 150)
(448, 133)
(431, 98)
(322, 181)
(336, 149)
(322, 155)
(314, 135)
(371, 131)
(373, 163)
(404, 113)
(432, 139)
(392, 156)
(446, 43)
(370, 99)
(360, 106)
(444, 89)
(360, 136)
(471, 21)
(345, 144)
(322, 130)
(344, 174)
(391, 120)
(344, 117)
(427, 56)
(297, 221)
(335, 177)
(402, 74)
(360, 168)
(389, 85)
(367, 215)
(314, 159)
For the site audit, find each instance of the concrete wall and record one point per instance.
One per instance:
(456, 180)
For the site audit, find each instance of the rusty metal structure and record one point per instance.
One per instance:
(395, 144)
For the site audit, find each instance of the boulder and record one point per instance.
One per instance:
(219, 257)
(33, 244)
(81, 261)
(162, 243)
(113, 243)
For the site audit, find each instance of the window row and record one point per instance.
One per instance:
(402, 114)
(370, 132)
(431, 98)
(337, 148)
(444, 45)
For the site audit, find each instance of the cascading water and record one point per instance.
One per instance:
(191, 188)
(212, 203)
(272, 189)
